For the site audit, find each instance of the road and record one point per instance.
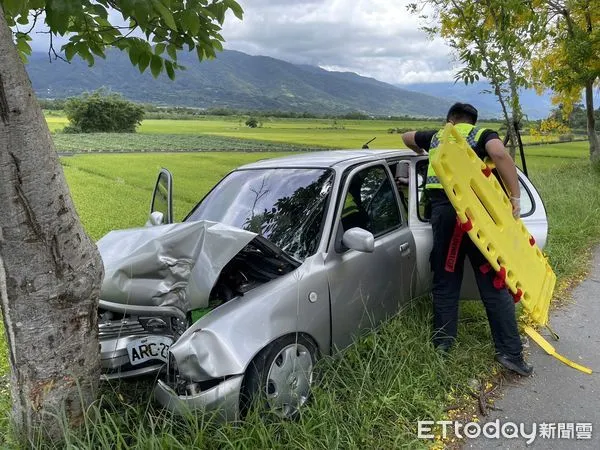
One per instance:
(556, 393)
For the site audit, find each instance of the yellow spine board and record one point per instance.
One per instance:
(503, 240)
(548, 348)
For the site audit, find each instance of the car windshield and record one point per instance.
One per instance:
(286, 206)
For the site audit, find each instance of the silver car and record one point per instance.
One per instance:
(313, 249)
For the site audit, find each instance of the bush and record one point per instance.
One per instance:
(252, 122)
(101, 112)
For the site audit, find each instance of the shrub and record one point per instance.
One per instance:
(100, 112)
(252, 122)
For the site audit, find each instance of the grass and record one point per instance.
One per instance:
(211, 133)
(372, 395)
(186, 134)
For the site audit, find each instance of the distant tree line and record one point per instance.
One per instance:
(184, 112)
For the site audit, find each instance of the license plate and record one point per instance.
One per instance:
(149, 348)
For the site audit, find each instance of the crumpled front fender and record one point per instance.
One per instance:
(203, 355)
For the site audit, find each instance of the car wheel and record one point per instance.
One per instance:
(279, 379)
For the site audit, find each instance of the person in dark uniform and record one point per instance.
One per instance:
(498, 303)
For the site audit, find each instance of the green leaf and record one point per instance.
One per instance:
(191, 23)
(12, 7)
(159, 49)
(23, 19)
(144, 60)
(170, 70)
(70, 51)
(235, 7)
(165, 14)
(172, 52)
(156, 65)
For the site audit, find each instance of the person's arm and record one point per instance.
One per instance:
(507, 170)
(410, 141)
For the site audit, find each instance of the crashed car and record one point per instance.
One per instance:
(283, 261)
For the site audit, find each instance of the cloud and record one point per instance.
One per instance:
(377, 38)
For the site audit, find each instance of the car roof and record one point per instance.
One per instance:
(324, 159)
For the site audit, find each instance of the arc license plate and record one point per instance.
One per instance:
(149, 348)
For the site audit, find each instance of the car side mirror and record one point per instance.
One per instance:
(162, 199)
(359, 240)
(155, 218)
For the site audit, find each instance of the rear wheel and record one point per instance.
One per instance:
(279, 379)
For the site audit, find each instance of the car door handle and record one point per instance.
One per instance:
(404, 247)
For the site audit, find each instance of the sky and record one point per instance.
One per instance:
(377, 38)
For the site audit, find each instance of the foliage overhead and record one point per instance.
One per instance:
(101, 112)
(569, 56)
(493, 39)
(151, 32)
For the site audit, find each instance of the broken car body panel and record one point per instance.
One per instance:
(172, 265)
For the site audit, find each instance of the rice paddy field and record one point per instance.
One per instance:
(374, 393)
(218, 133)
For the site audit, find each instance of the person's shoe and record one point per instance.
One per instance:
(443, 349)
(517, 365)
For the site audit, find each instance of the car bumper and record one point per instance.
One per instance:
(223, 399)
(114, 360)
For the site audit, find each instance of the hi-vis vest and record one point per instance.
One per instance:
(471, 134)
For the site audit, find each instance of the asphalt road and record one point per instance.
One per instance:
(557, 394)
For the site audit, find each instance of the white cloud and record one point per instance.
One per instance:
(376, 38)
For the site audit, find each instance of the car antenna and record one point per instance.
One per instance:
(366, 145)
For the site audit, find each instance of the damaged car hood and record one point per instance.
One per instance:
(168, 265)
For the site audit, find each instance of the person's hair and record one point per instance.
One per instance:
(462, 112)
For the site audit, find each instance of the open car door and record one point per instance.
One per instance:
(161, 207)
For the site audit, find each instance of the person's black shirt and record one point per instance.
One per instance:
(423, 140)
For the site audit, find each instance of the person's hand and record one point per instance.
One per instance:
(516, 206)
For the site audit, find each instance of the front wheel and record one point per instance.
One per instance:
(280, 377)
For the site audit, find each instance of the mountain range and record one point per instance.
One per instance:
(240, 81)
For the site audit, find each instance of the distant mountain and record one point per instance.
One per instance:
(534, 106)
(235, 80)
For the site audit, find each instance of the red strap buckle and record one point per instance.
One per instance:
(487, 171)
(500, 278)
(517, 296)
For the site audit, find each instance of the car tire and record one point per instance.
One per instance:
(280, 377)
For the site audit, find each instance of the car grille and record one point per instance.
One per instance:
(120, 328)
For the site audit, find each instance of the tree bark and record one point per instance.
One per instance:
(50, 271)
(591, 124)
(510, 129)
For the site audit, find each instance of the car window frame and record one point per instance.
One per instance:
(335, 236)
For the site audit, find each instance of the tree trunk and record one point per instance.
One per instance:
(591, 124)
(50, 271)
(515, 106)
(510, 129)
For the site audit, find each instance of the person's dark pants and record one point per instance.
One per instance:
(499, 304)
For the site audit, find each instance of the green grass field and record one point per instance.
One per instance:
(212, 133)
(373, 395)
(332, 133)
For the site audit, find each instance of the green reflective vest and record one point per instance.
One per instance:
(470, 132)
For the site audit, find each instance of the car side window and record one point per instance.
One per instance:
(370, 202)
